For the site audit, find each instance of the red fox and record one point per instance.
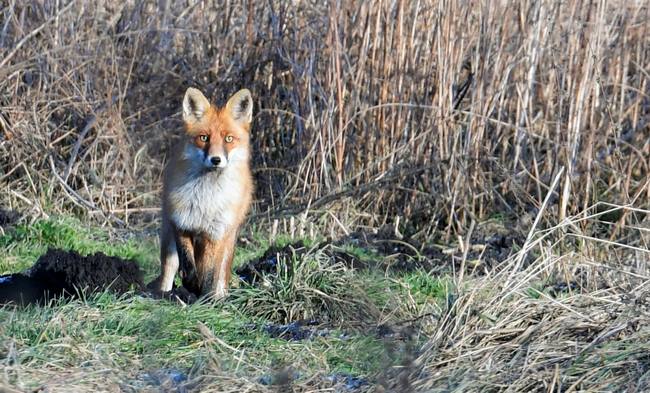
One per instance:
(207, 192)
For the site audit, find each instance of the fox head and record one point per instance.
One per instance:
(217, 137)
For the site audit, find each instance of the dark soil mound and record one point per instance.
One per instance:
(8, 217)
(22, 289)
(65, 273)
(95, 272)
(267, 263)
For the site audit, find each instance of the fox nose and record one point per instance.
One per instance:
(215, 160)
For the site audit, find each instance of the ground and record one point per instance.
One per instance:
(327, 318)
(366, 312)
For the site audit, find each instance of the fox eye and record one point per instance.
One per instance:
(228, 138)
(203, 138)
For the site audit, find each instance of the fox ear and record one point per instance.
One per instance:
(194, 105)
(240, 107)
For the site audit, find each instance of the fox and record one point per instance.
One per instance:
(207, 193)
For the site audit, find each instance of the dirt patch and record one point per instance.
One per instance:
(295, 331)
(8, 217)
(289, 380)
(487, 248)
(177, 294)
(347, 381)
(64, 273)
(162, 380)
(307, 329)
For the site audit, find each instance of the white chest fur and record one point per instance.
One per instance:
(206, 202)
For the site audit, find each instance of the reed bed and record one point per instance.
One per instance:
(434, 112)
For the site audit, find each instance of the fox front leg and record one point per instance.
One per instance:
(214, 261)
(185, 247)
(168, 261)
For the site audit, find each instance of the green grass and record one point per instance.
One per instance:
(425, 286)
(364, 255)
(134, 334)
(161, 334)
(21, 246)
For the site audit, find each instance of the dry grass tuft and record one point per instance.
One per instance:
(547, 320)
(308, 285)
